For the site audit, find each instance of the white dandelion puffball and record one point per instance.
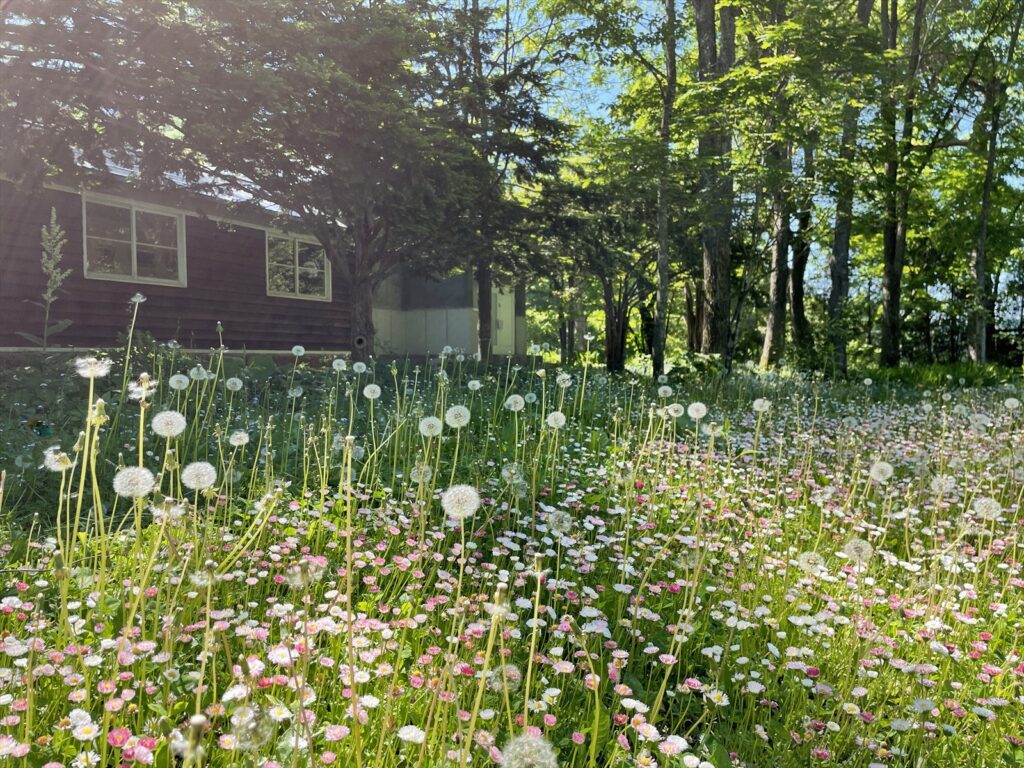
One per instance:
(359, 368)
(168, 424)
(133, 482)
(199, 475)
(675, 410)
(556, 420)
(460, 501)
(92, 367)
(943, 484)
(197, 373)
(371, 391)
(664, 391)
(339, 364)
(421, 473)
(410, 734)
(457, 416)
(697, 411)
(1011, 403)
(473, 385)
(762, 405)
(431, 426)
(880, 471)
(298, 350)
(988, 508)
(234, 384)
(56, 460)
(295, 392)
(563, 380)
(238, 438)
(530, 397)
(858, 550)
(560, 521)
(811, 563)
(515, 403)
(178, 382)
(526, 751)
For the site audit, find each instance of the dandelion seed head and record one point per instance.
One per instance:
(460, 502)
(199, 475)
(457, 416)
(528, 751)
(431, 426)
(133, 482)
(881, 471)
(556, 420)
(168, 424)
(515, 403)
(92, 367)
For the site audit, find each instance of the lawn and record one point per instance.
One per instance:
(314, 562)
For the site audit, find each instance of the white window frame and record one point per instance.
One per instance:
(132, 206)
(295, 240)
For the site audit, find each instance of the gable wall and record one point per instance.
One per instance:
(226, 281)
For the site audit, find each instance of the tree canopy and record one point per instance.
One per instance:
(791, 182)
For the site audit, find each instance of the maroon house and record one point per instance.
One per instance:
(197, 266)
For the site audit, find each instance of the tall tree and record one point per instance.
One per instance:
(716, 54)
(780, 166)
(839, 255)
(898, 139)
(995, 97)
(640, 39)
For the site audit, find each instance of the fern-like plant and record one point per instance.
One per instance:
(53, 241)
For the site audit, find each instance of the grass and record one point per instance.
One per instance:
(832, 578)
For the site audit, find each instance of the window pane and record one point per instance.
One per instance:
(281, 277)
(156, 229)
(108, 221)
(158, 263)
(280, 251)
(311, 255)
(312, 282)
(109, 257)
(312, 270)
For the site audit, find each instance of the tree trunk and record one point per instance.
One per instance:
(839, 257)
(485, 308)
(647, 327)
(775, 328)
(668, 99)
(713, 147)
(779, 159)
(616, 312)
(894, 229)
(358, 276)
(994, 95)
(361, 292)
(693, 321)
(803, 337)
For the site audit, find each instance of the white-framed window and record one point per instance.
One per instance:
(297, 268)
(133, 243)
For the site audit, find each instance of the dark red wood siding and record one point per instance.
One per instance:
(226, 281)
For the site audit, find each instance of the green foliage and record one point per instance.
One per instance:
(53, 240)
